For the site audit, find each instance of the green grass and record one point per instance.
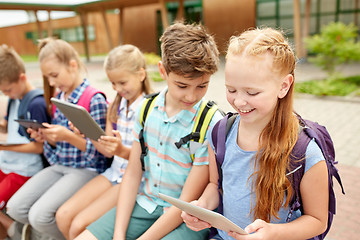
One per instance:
(155, 76)
(29, 58)
(343, 86)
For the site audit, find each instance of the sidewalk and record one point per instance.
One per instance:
(340, 116)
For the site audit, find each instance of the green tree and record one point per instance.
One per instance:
(336, 44)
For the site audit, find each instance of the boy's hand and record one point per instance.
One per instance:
(110, 144)
(192, 222)
(36, 135)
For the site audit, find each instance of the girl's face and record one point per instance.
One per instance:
(253, 88)
(184, 93)
(128, 85)
(66, 78)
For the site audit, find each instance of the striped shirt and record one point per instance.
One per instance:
(66, 154)
(166, 166)
(125, 125)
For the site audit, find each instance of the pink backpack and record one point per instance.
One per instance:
(85, 98)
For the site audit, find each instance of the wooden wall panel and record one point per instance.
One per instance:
(228, 17)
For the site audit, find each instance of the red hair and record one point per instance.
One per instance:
(279, 136)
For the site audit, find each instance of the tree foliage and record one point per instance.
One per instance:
(336, 44)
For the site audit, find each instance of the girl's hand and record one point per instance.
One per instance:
(55, 133)
(110, 144)
(192, 222)
(258, 230)
(36, 135)
(75, 129)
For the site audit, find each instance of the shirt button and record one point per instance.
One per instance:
(161, 143)
(158, 164)
(155, 185)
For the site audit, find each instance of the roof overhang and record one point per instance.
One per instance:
(90, 6)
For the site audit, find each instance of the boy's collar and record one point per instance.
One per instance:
(186, 117)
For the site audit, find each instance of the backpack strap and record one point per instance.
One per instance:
(312, 130)
(206, 112)
(146, 107)
(218, 136)
(87, 95)
(23, 112)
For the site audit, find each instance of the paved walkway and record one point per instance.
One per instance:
(341, 116)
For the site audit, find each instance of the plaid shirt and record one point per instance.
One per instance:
(66, 154)
(125, 125)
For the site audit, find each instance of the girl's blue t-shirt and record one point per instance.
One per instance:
(237, 168)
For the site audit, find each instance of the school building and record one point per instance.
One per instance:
(101, 25)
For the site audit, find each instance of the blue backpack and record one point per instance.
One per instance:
(309, 131)
(23, 108)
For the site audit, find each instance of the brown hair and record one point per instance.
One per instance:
(64, 53)
(188, 50)
(130, 58)
(279, 136)
(11, 65)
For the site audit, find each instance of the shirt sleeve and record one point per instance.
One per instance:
(137, 125)
(37, 109)
(51, 153)
(313, 155)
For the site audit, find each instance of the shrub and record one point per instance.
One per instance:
(152, 58)
(335, 45)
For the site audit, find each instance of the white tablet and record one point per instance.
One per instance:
(81, 119)
(215, 219)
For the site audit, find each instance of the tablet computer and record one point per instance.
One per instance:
(81, 118)
(215, 219)
(30, 123)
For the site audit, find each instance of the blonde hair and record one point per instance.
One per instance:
(11, 65)
(130, 58)
(280, 135)
(63, 52)
(189, 51)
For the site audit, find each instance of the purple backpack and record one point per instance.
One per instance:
(309, 131)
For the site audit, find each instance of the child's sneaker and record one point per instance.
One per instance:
(26, 232)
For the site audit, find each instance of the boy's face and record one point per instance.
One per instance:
(14, 90)
(183, 93)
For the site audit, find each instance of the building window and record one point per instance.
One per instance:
(75, 34)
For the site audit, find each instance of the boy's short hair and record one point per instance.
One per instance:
(11, 65)
(189, 50)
